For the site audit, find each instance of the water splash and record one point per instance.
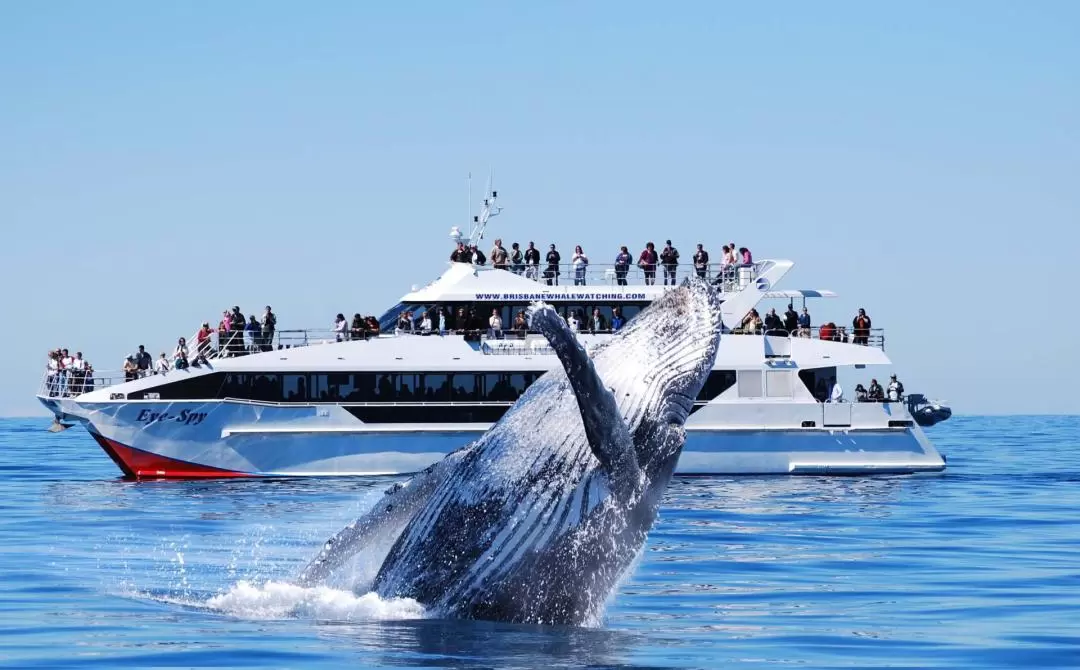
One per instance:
(280, 600)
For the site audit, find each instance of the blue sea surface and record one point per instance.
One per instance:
(978, 567)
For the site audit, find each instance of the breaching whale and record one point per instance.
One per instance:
(537, 520)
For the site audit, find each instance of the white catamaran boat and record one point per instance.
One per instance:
(313, 403)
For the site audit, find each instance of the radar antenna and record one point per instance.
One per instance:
(479, 222)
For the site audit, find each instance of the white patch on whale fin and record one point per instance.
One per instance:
(609, 438)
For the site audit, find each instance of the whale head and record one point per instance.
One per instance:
(656, 367)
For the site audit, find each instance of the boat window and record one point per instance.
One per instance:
(817, 381)
(407, 388)
(389, 318)
(295, 387)
(364, 387)
(717, 382)
(436, 387)
(750, 383)
(630, 311)
(340, 386)
(266, 387)
(387, 386)
(237, 385)
(519, 381)
(465, 388)
(201, 387)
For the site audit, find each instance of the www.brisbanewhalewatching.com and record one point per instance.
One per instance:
(559, 296)
(538, 520)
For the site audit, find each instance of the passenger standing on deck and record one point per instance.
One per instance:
(896, 390)
(495, 325)
(237, 331)
(143, 361)
(163, 364)
(791, 319)
(253, 331)
(860, 328)
(65, 372)
(77, 374)
(203, 342)
(551, 274)
(622, 266)
(477, 257)
(340, 328)
(459, 254)
(701, 262)
(180, 359)
(876, 393)
(269, 324)
(517, 259)
(500, 260)
(580, 262)
(425, 324)
(804, 323)
(669, 258)
(532, 262)
(647, 262)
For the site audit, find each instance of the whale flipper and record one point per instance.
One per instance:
(607, 434)
(382, 524)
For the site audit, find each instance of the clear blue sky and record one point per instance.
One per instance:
(162, 161)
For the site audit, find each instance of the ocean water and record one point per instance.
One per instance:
(978, 567)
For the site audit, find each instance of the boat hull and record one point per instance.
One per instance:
(231, 439)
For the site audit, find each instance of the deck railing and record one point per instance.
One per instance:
(730, 278)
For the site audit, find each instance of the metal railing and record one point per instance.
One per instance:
(729, 278)
(71, 383)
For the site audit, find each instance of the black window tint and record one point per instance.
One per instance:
(518, 383)
(364, 388)
(319, 390)
(465, 388)
(436, 387)
(407, 388)
(340, 386)
(629, 311)
(201, 387)
(237, 385)
(717, 382)
(387, 388)
(266, 387)
(493, 389)
(295, 388)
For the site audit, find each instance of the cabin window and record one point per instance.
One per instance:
(750, 384)
(266, 387)
(436, 387)
(295, 388)
(465, 388)
(202, 387)
(408, 389)
(519, 381)
(717, 382)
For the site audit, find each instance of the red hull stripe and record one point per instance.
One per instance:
(145, 465)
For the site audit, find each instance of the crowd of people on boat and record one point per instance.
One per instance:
(893, 393)
(463, 321)
(67, 375)
(526, 262)
(798, 324)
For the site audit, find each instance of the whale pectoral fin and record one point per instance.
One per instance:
(607, 433)
(389, 517)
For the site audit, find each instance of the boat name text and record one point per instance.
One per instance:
(185, 417)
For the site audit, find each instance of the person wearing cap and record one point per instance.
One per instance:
(669, 258)
(896, 389)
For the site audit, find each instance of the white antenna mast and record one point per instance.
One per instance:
(479, 222)
(489, 210)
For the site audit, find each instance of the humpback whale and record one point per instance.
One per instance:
(537, 520)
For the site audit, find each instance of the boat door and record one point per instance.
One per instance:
(836, 415)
